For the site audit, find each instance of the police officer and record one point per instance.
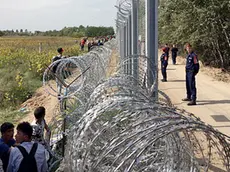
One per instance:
(167, 50)
(174, 51)
(164, 64)
(191, 68)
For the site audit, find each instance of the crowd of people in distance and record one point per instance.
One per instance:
(97, 41)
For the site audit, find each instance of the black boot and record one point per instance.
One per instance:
(191, 103)
(164, 80)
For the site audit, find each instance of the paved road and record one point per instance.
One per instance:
(213, 97)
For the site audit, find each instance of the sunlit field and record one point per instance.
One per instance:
(23, 61)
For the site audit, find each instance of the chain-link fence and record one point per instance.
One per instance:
(137, 36)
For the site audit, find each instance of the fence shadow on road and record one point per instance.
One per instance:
(214, 168)
(210, 102)
(224, 126)
(178, 64)
(177, 80)
(172, 88)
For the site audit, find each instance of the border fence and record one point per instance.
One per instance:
(123, 122)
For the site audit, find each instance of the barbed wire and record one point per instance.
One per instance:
(127, 132)
(117, 124)
(114, 125)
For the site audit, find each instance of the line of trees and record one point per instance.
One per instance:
(205, 24)
(81, 31)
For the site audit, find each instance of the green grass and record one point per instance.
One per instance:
(22, 67)
(17, 94)
(11, 115)
(9, 107)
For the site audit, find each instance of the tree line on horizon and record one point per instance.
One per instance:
(81, 31)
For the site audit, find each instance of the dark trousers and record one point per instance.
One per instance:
(191, 85)
(82, 47)
(163, 71)
(174, 58)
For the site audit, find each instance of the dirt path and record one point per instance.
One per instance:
(213, 97)
(40, 98)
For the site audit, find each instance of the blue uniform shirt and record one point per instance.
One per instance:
(167, 51)
(192, 62)
(164, 59)
(174, 51)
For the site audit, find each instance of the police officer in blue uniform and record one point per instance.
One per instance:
(164, 64)
(192, 68)
(167, 50)
(174, 51)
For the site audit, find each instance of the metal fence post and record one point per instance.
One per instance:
(134, 13)
(129, 45)
(122, 44)
(152, 44)
(126, 47)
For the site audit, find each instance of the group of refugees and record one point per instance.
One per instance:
(27, 152)
(191, 69)
(97, 41)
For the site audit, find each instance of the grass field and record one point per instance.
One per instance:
(22, 63)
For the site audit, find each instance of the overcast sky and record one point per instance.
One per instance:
(55, 14)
